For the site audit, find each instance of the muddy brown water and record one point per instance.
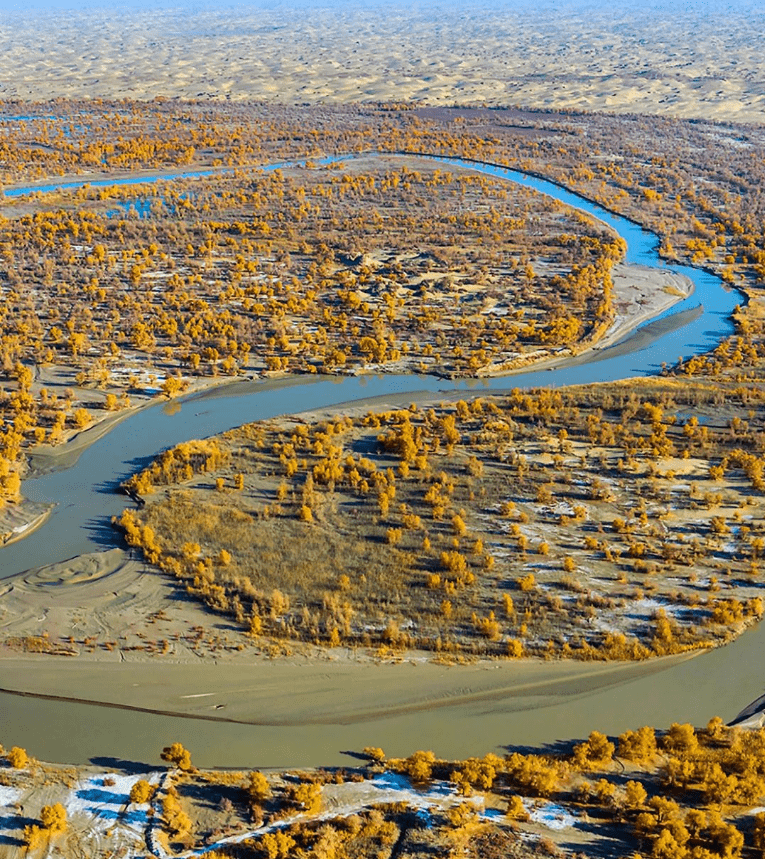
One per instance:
(721, 682)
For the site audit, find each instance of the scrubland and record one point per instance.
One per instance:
(674, 793)
(595, 523)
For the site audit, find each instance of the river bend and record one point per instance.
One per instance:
(723, 681)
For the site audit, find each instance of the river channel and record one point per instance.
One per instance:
(721, 682)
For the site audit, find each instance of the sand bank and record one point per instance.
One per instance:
(338, 688)
(109, 597)
(135, 644)
(640, 293)
(20, 520)
(104, 596)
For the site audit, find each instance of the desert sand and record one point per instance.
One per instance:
(693, 61)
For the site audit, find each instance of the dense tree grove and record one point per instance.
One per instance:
(680, 793)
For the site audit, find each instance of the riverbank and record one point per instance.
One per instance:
(118, 805)
(46, 458)
(126, 626)
(174, 661)
(640, 293)
(20, 520)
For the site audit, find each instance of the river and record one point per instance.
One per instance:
(720, 682)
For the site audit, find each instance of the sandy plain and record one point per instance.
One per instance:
(689, 61)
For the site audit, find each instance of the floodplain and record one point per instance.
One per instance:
(592, 534)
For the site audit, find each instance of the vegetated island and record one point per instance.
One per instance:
(703, 423)
(589, 523)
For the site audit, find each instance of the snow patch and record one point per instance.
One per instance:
(492, 814)
(397, 788)
(549, 814)
(105, 798)
(649, 606)
(9, 795)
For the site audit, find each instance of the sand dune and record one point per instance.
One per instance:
(685, 62)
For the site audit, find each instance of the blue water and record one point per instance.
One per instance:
(86, 500)
(85, 495)
(139, 206)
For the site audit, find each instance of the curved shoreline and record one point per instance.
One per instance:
(92, 702)
(234, 388)
(45, 459)
(28, 526)
(65, 455)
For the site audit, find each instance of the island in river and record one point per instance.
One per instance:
(661, 558)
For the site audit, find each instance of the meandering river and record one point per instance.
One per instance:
(723, 681)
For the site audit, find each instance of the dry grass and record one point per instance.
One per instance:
(585, 523)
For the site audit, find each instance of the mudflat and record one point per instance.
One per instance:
(301, 707)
